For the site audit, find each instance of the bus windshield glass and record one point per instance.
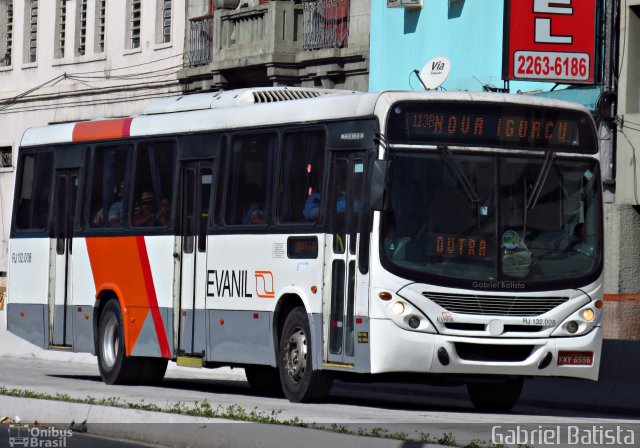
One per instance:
(487, 220)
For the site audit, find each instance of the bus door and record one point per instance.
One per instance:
(65, 198)
(197, 181)
(345, 197)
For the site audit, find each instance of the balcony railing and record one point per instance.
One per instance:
(326, 24)
(200, 49)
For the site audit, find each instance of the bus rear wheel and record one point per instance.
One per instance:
(115, 367)
(265, 380)
(300, 383)
(495, 397)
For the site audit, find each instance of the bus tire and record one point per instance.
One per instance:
(153, 370)
(115, 367)
(495, 397)
(264, 380)
(300, 383)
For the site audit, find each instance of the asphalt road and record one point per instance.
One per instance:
(413, 410)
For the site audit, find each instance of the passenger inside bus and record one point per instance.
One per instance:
(144, 214)
(258, 217)
(311, 210)
(116, 209)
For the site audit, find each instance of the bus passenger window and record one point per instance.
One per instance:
(301, 172)
(153, 184)
(249, 181)
(32, 208)
(109, 191)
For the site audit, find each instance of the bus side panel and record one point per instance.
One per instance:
(125, 265)
(242, 337)
(242, 292)
(28, 290)
(83, 299)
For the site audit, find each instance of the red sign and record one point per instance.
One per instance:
(550, 40)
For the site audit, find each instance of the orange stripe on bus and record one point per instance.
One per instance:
(116, 261)
(102, 129)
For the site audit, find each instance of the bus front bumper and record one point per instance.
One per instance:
(406, 351)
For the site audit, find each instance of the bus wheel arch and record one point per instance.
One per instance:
(285, 305)
(114, 364)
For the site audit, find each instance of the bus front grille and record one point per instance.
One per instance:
(495, 305)
(493, 353)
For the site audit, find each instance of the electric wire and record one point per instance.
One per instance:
(155, 61)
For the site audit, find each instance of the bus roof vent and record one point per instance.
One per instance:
(232, 98)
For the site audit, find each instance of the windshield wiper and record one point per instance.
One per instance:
(549, 157)
(454, 167)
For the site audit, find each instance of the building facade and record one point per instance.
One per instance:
(309, 43)
(72, 60)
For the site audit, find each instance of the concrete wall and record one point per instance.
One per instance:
(82, 87)
(627, 185)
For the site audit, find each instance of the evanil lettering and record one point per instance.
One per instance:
(227, 284)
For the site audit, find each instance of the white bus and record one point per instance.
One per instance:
(307, 235)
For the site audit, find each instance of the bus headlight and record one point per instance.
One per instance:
(414, 322)
(580, 322)
(405, 314)
(397, 308)
(588, 314)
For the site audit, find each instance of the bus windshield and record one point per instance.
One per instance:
(492, 220)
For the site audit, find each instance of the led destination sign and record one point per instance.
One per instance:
(514, 127)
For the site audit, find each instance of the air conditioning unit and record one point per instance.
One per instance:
(404, 3)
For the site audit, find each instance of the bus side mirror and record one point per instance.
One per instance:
(379, 179)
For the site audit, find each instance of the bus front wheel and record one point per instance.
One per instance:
(115, 367)
(495, 397)
(300, 383)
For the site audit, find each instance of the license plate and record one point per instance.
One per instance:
(575, 358)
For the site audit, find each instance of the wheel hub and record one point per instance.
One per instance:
(110, 343)
(296, 355)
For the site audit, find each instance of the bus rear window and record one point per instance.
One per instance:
(33, 198)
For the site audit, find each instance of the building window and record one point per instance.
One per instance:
(326, 24)
(61, 27)
(6, 157)
(163, 22)
(101, 16)
(31, 30)
(81, 28)
(6, 32)
(135, 19)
